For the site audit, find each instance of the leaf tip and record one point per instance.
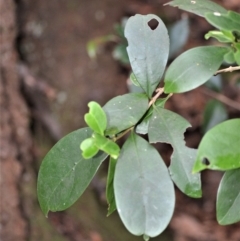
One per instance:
(45, 211)
(115, 156)
(198, 167)
(146, 237)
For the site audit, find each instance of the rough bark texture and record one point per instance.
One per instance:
(14, 136)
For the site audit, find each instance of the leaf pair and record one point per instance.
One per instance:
(228, 22)
(229, 25)
(97, 121)
(96, 142)
(148, 58)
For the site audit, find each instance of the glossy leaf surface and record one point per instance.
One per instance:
(124, 111)
(110, 189)
(64, 174)
(148, 49)
(144, 191)
(219, 148)
(229, 21)
(228, 198)
(168, 127)
(193, 68)
(199, 7)
(96, 118)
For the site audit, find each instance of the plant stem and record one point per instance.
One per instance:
(229, 69)
(159, 92)
(122, 134)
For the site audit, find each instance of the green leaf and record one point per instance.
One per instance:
(88, 148)
(220, 36)
(110, 189)
(193, 68)
(219, 148)
(229, 21)
(124, 112)
(178, 34)
(169, 127)
(96, 118)
(106, 145)
(214, 113)
(142, 128)
(199, 7)
(182, 162)
(148, 48)
(228, 198)
(144, 192)
(64, 174)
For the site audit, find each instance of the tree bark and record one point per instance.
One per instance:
(15, 137)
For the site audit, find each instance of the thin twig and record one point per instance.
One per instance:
(122, 134)
(222, 98)
(229, 69)
(159, 92)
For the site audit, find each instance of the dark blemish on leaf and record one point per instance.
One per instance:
(153, 24)
(205, 161)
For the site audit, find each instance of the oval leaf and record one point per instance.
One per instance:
(88, 148)
(193, 68)
(64, 174)
(229, 21)
(220, 36)
(106, 145)
(169, 127)
(148, 49)
(228, 198)
(199, 7)
(124, 111)
(144, 192)
(96, 118)
(219, 148)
